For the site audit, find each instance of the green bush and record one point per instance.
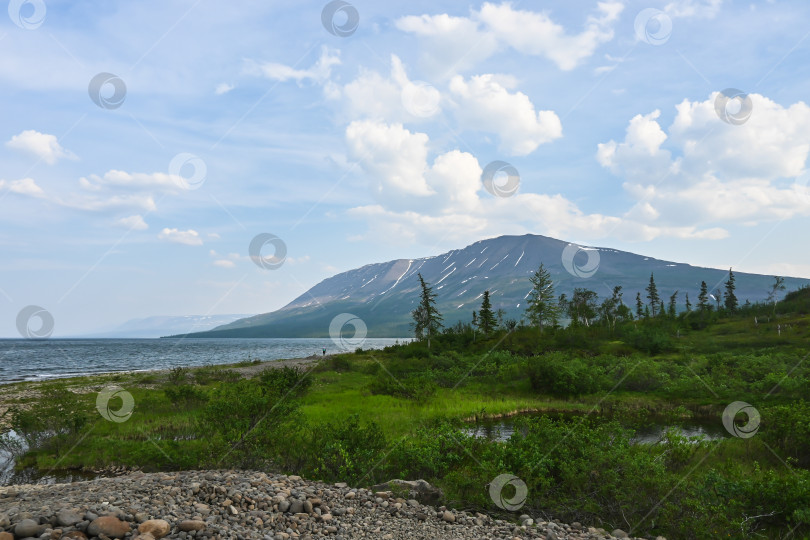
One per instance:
(415, 387)
(53, 423)
(562, 375)
(185, 395)
(649, 339)
(345, 451)
(787, 429)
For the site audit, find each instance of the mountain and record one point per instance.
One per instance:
(384, 294)
(154, 327)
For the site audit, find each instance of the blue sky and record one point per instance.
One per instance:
(370, 146)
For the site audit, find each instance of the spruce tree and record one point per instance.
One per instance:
(652, 295)
(688, 304)
(731, 298)
(673, 300)
(703, 297)
(542, 307)
(427, 321)
(486, 318)
(639, 306)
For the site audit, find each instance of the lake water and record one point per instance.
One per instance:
(501, 430)
(33, 360)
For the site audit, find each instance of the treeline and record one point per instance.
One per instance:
(584, 308)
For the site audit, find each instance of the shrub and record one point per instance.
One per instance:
(416, 387)
(185, 395)
(177, 375)
(649, 339)
(561, 375)
(52, 423)
(345, 450)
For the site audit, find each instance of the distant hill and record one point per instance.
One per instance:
(157, 326)
(384, 294)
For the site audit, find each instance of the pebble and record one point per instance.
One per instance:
(248, 505)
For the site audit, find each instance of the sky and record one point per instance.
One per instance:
(146, 146)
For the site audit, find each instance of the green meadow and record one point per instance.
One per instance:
(576, 395)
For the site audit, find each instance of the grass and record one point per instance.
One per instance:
(360, 407)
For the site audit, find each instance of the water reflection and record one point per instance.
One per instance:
(652, 433)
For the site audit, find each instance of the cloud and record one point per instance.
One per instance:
(420, 201)
(395, 97)
(189, 237)
(26, 186)
(458, 43)
(536, 34)
(455, 44)
(228, 261)
(42, 145)
(397, 162)
(93, 203)
(318, 72)
(486, 105)
(297, 260)
(133, 223)
(138, 181)
(701, 170)
(694, 8)
(223, 88)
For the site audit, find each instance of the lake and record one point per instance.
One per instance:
(36, 360)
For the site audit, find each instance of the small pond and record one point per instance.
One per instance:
(31, 475)
(652, 433)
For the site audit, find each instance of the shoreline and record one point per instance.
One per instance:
(255, 505)
(19, 392)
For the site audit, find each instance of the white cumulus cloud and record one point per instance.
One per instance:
(133, 223)
(701, 170)
(459, 43)
(42, 145)
(485, 104)
(189, 237)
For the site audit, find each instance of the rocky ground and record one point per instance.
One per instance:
(242, 505)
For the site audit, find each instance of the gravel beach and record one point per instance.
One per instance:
(244, 504)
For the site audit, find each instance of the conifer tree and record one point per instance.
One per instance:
(673, 300)
(542, 307)
(731, 298)
(703, 298)
(427, 321)
(486, 318)
(652, 295)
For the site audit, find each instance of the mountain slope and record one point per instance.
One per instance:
(384, 294)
